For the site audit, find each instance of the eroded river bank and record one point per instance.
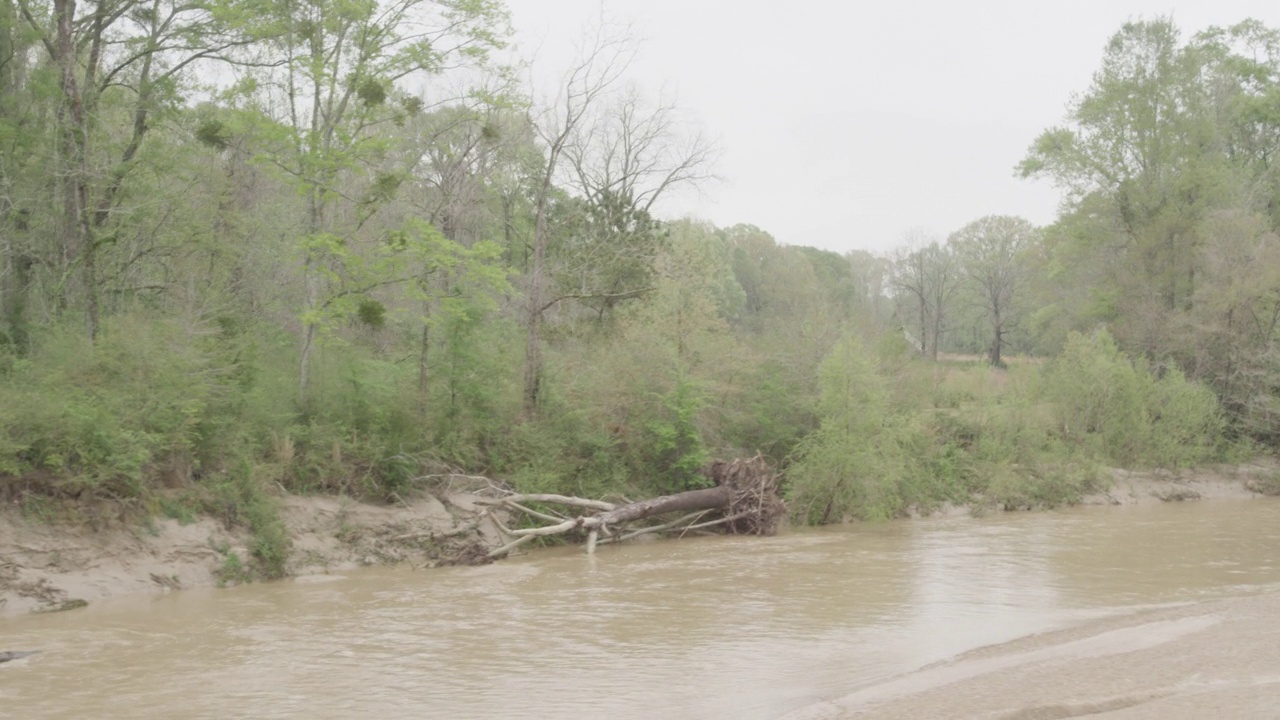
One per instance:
(867, 620)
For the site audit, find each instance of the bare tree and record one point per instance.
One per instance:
(622, 156)
(925, 279)
(603, 59)
(637, 151)
(620, 164)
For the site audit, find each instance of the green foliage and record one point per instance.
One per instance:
(183, 510)
(675, 441)
(214, 133)
(850, 466)
(102, 418)
(232, 571)
(474, 395)
(371, 92)
(901, 438)
(774, 410)
(562, 451)
(244, 500)
(1105, 402)
(372, 313)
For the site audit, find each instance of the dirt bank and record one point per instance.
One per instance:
(51, 565)
(47, 566)
(1217, 659)
(1218, 482)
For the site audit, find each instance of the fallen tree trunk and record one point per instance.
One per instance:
(707, 499)
(745, 500)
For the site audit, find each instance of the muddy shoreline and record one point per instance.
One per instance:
(55, 566)
(52, 566)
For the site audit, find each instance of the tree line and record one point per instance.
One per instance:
(334, 244)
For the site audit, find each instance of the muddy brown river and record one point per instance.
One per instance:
(697, 628)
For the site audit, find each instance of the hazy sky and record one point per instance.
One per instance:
(843, 124)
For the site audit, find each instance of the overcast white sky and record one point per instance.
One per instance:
(843, 124)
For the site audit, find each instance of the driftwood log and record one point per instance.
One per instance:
(746, 499)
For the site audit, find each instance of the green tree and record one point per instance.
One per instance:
(990, 251)
(617, 156)
(1140, 147)
(334, 90)
(849, 466)
(134, 56)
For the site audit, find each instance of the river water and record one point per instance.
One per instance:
(714, 627)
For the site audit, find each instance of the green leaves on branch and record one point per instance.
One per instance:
(475, 275)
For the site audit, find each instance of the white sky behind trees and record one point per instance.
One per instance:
(843, 124)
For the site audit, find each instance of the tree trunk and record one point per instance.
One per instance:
(533, 343)
(924, 330)
(706, 499)
(311, 281)
(424, 368)
(996, 343)
(77, 233)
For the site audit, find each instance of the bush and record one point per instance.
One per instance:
(1106, 404)
(107, 418)
(241, 498)
(851, 465)
(676, 453)
(774, 410)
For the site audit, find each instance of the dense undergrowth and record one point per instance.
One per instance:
(898, 434)
(181, 419)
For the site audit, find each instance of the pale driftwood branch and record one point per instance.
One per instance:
(563, 527)
(556, 499)
(510, 546)
(656, 528)
(502, 527)
(535, 513)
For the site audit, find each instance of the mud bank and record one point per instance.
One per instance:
(1219, 482)
(50, 566)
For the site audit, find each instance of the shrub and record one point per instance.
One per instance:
(1105, 403)
(851, 465)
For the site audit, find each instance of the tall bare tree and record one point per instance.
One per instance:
(602, 60)
(618, 155)
(925, 279)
